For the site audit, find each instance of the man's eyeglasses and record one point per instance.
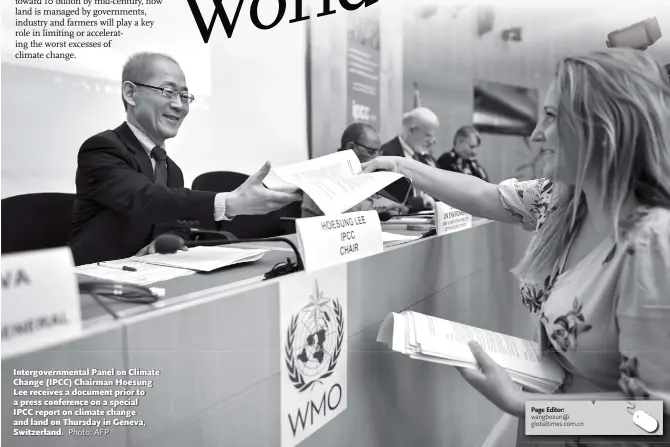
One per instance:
(170, 93)
(371, 151)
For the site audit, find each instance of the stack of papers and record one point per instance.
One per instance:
(203, 259)
(411, 220)
(441, 341)
(143, 275)
(149, 269)
(392, 237)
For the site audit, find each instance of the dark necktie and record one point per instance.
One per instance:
(160, 174)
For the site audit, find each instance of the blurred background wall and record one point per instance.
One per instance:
(444, 53)
(281, 95)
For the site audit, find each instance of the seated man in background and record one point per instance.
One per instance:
(419, 127)
(364, 141)
(129, 191)
(463, 157)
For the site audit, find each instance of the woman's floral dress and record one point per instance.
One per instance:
(606, 320)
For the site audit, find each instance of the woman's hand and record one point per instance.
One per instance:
(382, 163)
(493, 382)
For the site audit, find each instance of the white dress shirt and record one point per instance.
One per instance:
(409, 153)
(148, 145)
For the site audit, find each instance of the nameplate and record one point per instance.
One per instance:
(450, 220)
(330, 240)
(40, 300)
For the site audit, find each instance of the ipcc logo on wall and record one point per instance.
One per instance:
(360, 112)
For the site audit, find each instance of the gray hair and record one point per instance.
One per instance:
(136, 68)
(419, 116)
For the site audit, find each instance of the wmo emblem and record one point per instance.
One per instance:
(314, 340)
(312, 351)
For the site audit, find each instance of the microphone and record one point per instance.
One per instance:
(171, 243)
(127, 293)
(197, 232)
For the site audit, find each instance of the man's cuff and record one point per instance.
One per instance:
(220, 207)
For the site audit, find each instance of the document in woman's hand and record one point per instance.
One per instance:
(442, 341)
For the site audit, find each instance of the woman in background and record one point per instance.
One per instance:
(597, 271)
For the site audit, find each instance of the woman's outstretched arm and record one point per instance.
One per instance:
(464, 192)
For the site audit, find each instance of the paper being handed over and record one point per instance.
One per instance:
(436, 340)
(333, 181)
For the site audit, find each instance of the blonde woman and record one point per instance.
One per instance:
(597, 272)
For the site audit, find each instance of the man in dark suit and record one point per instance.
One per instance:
(419, 127)
(129, 191)
(463, 157)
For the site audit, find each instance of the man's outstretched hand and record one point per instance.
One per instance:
(252, 197)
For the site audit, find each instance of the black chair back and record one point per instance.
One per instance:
(219, 181)
(36, 221)
(246, 227)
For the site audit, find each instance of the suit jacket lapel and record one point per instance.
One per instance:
(399, 150)
(141, 156)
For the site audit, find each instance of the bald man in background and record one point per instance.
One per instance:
(419, 127)
(363, 139)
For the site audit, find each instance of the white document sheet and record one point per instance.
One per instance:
(392, 237)
(410, 220)
(203, 259)
(145, 273)
(449, 339)
(333, 181)
(432, 339)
